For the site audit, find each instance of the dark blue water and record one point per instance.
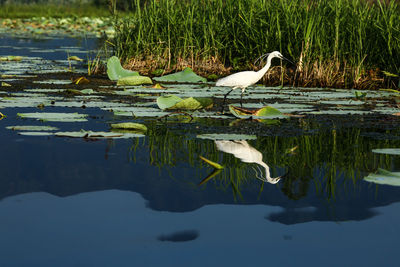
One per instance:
(139, 202)
(50, 48)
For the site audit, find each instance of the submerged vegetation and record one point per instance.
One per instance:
(335, 43)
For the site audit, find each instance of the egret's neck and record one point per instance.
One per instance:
(266, 167)
(265, 68)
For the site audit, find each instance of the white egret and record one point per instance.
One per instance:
(246, 153)
(244, 79)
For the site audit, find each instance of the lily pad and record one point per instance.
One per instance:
(89, 134)
(217, 136)
(389, 151)
(269, 112)
(36, 133)
(129, 126)
(97, 135)
(266, 112)
(11, 58)
(165, 102)
(61, 117)
(185, 76)
(384, 177)
(134, 80)
(115, 71)
(87, 91)
(32, 128)
(191, 103)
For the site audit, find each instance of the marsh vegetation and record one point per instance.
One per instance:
(335, 43)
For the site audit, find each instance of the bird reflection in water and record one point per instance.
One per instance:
(248, 154)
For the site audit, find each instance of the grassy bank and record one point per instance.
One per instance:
(335, 43)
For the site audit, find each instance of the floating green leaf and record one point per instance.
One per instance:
(134, 80)
(36, 133)
(129, 126)
(262, 113)
(240, 113)
(87, 91)
(190, 103)
(165, 102)
(206, 102)
(61, 117)
(115, 71)
(212, 163)
(76, 58)
(89, 134)
(11, 58)
(359, 94)
(269, 112)
(32, 128)
(384, 177)
(185, 76)
(97, 135)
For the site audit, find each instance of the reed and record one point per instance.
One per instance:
(335, 43)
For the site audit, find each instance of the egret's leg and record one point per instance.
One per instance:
(241, 97)
(223, 103)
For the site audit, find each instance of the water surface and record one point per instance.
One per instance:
(292, 196)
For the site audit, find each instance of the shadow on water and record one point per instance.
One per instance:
(181, 236)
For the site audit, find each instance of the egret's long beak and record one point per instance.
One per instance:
(288, 60)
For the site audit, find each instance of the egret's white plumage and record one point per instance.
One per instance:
(246, 153)
(244, 79)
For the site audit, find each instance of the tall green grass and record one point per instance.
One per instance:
(332, 40)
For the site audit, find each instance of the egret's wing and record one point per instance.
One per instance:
(240, 149)
(239, 79)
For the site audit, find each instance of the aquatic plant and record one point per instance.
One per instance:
(335, 43)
